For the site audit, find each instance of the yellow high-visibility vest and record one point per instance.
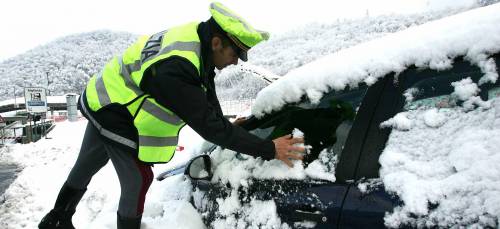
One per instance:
(118, 83)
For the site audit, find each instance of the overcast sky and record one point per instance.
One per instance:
(28, 23)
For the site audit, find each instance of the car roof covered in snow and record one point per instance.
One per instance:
(474, 34)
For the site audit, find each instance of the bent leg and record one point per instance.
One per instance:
(135, 178)
(91, 159)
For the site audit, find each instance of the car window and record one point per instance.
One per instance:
(412, 90)
(494, 92)
(428, 145)
(436, 90)
(325, 125)
(433, 89)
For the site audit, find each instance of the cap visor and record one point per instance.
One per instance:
(243, 56)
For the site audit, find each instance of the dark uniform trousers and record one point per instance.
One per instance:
(135, 177)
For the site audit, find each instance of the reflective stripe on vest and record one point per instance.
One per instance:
(160, 114)
(105, 132)
(118, 83)
(102, 94)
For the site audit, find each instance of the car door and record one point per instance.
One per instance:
(315, 201)
(365, 207)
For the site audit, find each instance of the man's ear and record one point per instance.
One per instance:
(216, 43)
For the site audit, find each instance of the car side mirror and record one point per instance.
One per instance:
(200, 168)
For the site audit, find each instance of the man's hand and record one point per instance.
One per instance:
(285, 149)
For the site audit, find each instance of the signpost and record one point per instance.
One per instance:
(36, 104)
(36, 99)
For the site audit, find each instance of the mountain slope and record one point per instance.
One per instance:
(64, 65)
(298, 47)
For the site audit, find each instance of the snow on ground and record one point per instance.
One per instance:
(444, 168)
(474, 33)
(449, 180)
(47, 163)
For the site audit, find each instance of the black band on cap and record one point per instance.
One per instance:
(238, 42)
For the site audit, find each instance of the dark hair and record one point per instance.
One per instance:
(216, 31)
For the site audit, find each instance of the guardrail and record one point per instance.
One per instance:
(9, 134)
(21, 106)
(25, 133)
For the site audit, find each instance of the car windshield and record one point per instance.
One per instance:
(325, 125)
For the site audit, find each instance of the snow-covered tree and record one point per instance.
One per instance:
(61, 66)
(66, 64)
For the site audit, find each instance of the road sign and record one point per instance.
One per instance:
(36, 99)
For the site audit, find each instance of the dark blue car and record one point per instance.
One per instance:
(348, 125)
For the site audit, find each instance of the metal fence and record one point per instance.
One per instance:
(233, 108)
(11, 133)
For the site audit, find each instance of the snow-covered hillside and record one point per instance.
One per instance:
(433, 45)
(45, 164)
(65, 65)
(303, 45)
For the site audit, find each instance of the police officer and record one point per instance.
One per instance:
(138, 103)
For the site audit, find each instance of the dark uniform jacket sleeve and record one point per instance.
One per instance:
(176, 85)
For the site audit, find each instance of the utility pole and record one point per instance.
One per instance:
(48, 82)
(15, 102)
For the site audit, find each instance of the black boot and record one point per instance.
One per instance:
(128, 223)
(60, 216)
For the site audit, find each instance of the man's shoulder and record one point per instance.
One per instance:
(176, 65)
(174, 70)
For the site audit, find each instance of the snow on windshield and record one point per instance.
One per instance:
(474, 34)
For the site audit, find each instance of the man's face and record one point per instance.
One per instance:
(223, 56)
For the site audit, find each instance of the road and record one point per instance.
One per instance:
(7, 175)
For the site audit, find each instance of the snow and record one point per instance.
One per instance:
(66, 64)
(439, 157)
(285, 52)
(434, 118)
(448, 159)
(322, 168)
(399, 122)
(465, 89)
(305, 44)
(256, 214)
(238, 170)
(473, 33)
(366, 186)
(46, 163)
(63, 65)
